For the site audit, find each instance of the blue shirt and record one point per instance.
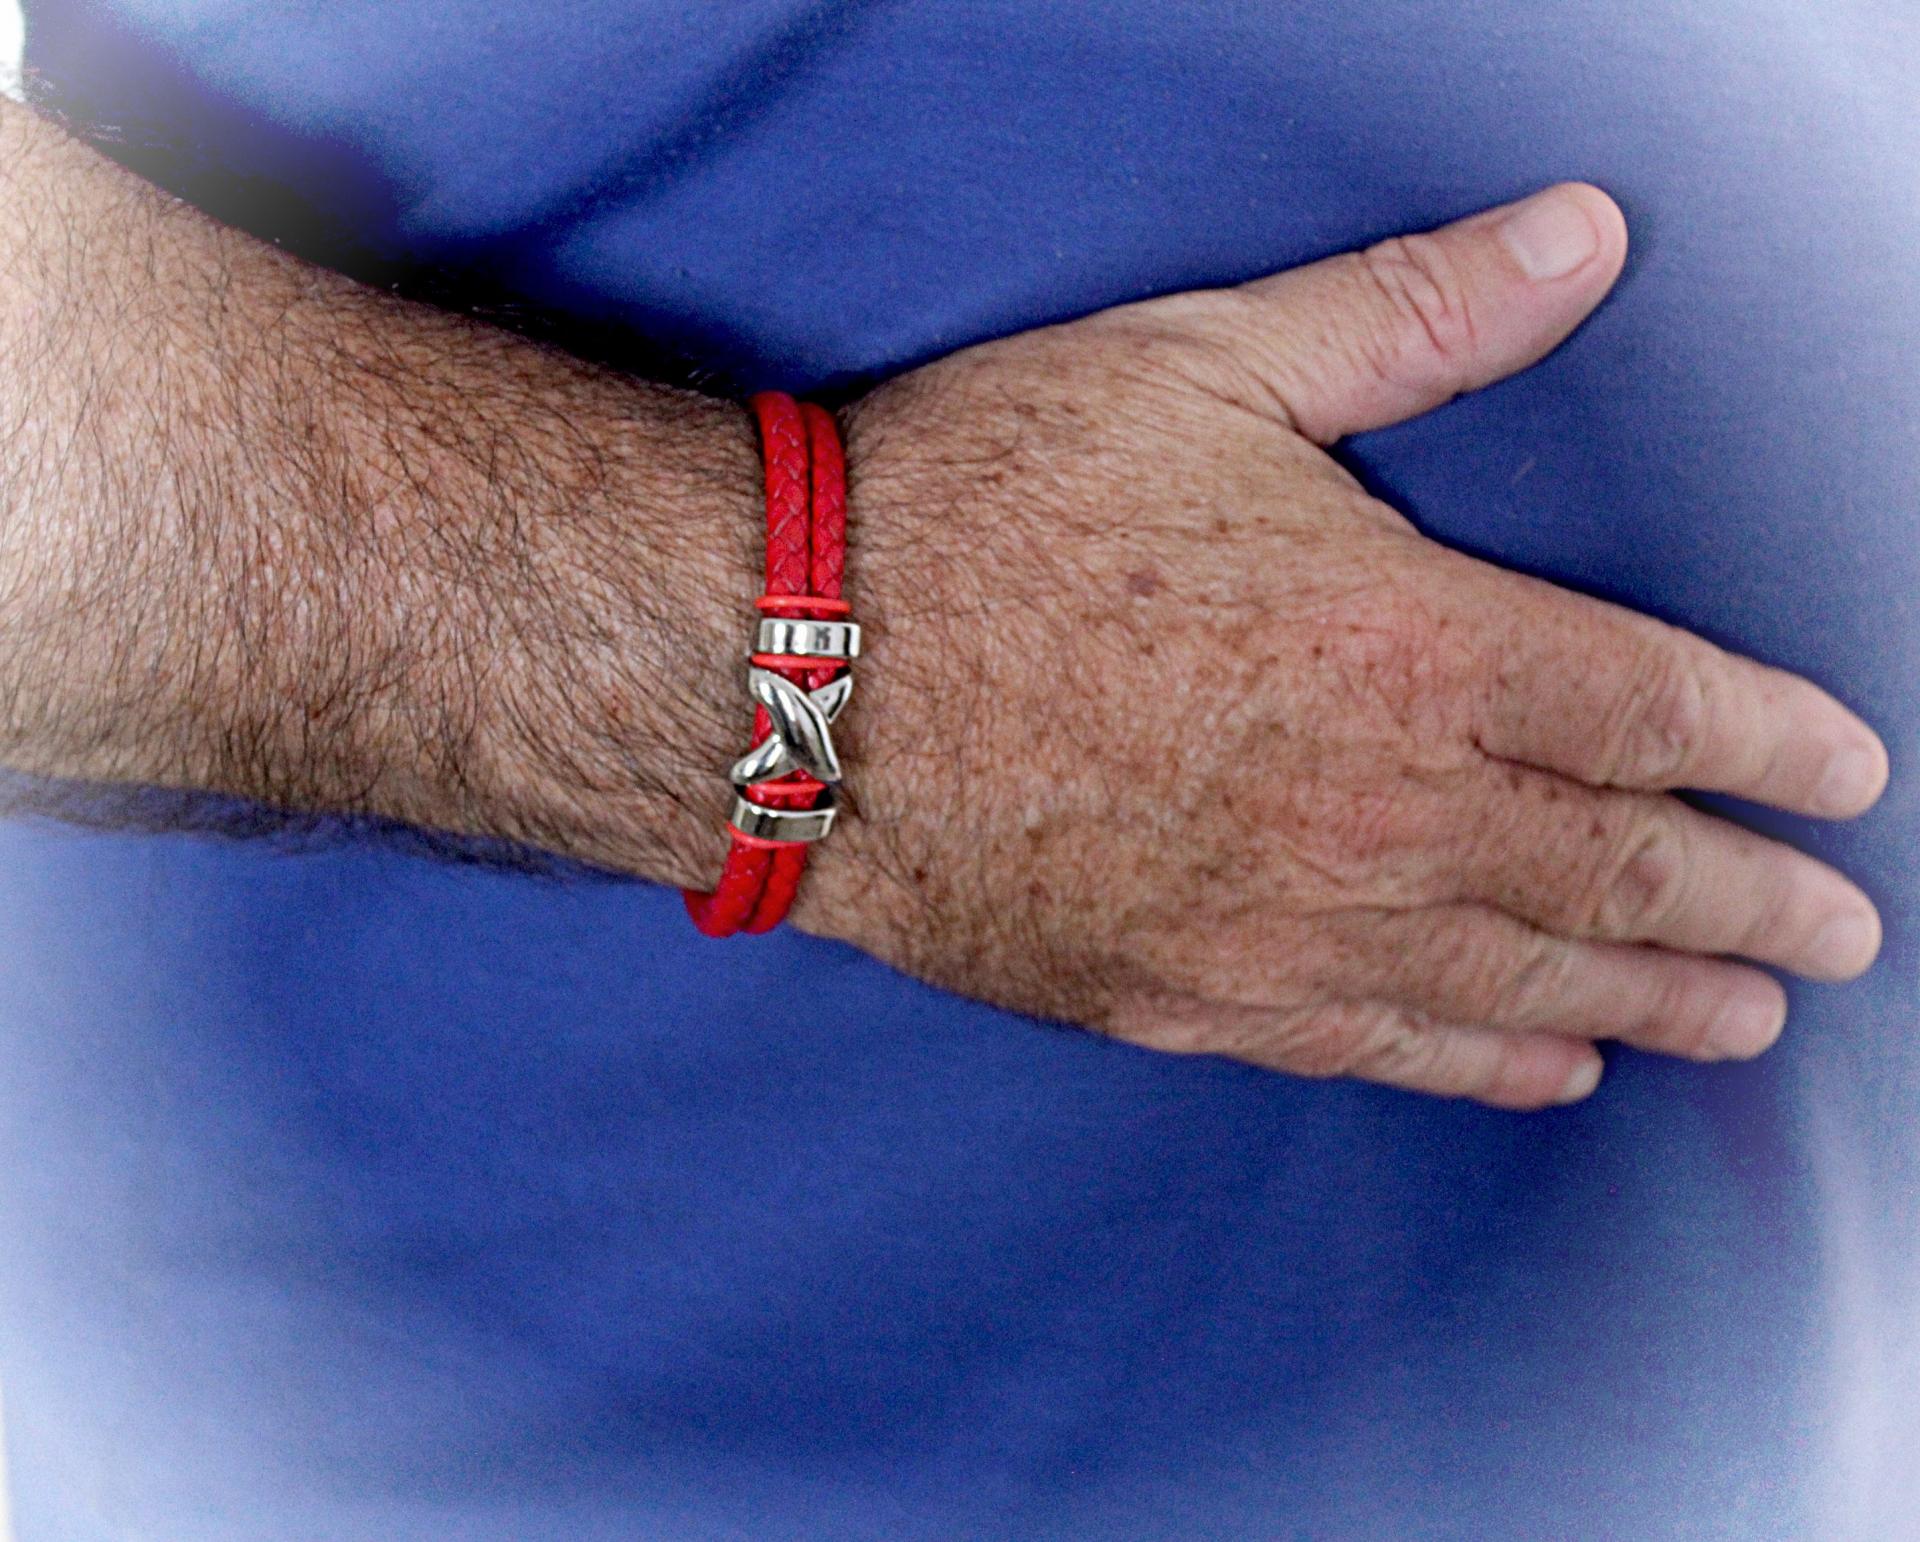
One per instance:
(345, 1192)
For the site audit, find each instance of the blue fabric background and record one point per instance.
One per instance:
(349, 1194)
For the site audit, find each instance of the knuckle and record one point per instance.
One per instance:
(1643, 881)
(1426, 318)
(1771, 918)
(1521, 988)
(1682, 1019)
(1658, 722)
(1407, 1055)
(1341, 1038)
(1466, 972)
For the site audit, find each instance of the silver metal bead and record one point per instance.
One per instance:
(783, 824)
(808, 639)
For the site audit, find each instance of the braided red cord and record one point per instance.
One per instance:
(827, 561)
(806, 491)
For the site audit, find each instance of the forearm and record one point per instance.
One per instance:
(269, 532)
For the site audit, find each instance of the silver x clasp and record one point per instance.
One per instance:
(802, 738)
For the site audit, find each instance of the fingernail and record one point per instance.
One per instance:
(1845, 945)
(1549, 235)
(1744, 1028)
(1850, 780)
(1584, 1079)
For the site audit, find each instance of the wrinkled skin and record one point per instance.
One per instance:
(1168, 728)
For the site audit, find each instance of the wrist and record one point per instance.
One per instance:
(618, 705)
(864, 880)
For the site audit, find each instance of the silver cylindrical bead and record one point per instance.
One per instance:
(783, 824)
(808, 639)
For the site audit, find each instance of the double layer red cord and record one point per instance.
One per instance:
(806, 491)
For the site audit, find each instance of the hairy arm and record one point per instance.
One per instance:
(268, 532)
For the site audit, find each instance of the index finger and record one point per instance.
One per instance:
(1613, 698)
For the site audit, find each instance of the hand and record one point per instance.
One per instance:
(1169, 729)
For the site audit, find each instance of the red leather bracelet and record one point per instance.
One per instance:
(798, 675)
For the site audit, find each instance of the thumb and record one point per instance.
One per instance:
(1374, 337)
